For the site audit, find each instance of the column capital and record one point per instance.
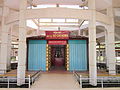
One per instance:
(23, 4)
(92, 4)
(110, 12)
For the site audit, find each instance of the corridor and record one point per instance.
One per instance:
(56, 81)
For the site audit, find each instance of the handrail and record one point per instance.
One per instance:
(29, 79)
(36, 73)
(78, 78)
(8, 83)
(104, 80)
(35, 76)
(75, 73)
(100, 80)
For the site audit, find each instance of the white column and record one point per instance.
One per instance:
(79, 32)
(106, 50)
(110, 43)
(9, 48)
(84, 33)
(22, 44)
(92, 44)
(4, 41)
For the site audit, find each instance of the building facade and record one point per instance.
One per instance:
(71, 53)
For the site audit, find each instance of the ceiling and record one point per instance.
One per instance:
(116, 3)
(100, 4)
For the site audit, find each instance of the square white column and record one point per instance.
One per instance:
(22, 43)
(110, 43)
(92, 44)
(4, 41)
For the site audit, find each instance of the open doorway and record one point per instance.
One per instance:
(57, 57)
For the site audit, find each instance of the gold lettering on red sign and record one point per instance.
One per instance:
(57, 34)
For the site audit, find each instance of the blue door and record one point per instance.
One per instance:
(37, 55)
(77, 55)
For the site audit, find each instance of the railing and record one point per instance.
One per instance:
(101, 82)
(78, 78)
(35, 76)
(13, 81)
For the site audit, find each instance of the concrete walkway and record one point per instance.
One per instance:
(56, 81)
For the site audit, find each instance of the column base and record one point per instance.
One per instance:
(93, 82)
(2, 72)
(112, 72)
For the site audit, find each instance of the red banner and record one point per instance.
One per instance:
(57, 34)
(57, 42)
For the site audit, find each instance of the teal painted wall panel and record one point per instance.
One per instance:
(78, 55)
(37, 55)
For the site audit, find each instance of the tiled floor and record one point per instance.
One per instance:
(56, 81)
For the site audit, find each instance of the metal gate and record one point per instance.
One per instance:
(37, 55)
(77, 55)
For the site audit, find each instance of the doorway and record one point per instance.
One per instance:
(57, 57)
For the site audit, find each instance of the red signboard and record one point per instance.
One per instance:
(57, 34)
(57, 42)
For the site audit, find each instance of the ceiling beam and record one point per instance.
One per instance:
(1, 1)
(17, 10)
(53, 22)
(116, 3)
(60, 13)
(81, 22)
(103, 18)
(117, 23)
(117, 12)
(117, 36)
(59, 25)
(85, 2)
(60, 22)
(99, 35)
(31, 3)
(36, 23)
